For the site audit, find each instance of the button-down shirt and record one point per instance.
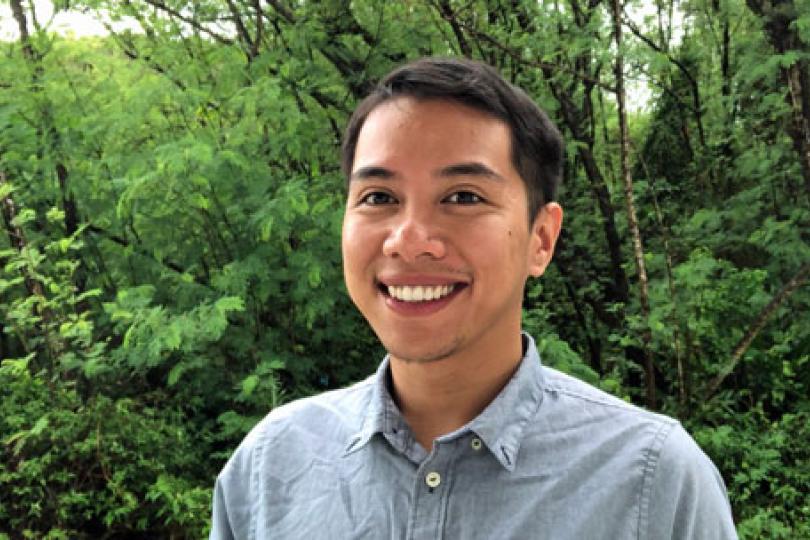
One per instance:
(549, 458)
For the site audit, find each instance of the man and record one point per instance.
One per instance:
(461, 433)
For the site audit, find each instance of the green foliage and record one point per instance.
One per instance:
(769, 478)
(74, 468)
(170, 250)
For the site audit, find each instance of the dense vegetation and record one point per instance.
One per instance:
(171, 207)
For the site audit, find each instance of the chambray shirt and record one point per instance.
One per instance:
(550, 458)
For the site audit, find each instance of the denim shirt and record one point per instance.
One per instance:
(549, 458)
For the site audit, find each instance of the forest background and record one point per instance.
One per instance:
(171, 205)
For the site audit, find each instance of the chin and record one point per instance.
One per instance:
(410, 353)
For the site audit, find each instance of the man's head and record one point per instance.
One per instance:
(436, 250)
(536, 144)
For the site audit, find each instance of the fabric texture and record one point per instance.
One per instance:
(550, 458)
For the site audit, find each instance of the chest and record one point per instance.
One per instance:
(459, 491)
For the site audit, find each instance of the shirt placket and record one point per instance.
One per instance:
(432, 490)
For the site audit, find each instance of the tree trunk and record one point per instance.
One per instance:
(571, 117)
(33, 285)
(22, 24)
(683, 389)
(780, 18)
(798, 87)
(632, 221)
(575, 118)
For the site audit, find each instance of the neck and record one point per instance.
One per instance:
(440, 397)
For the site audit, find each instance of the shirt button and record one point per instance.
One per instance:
(433, 479)
(476, 444)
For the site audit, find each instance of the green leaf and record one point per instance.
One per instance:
(6, 189)
(266, 228)
(55, 215)
(175, 374)
(249, 384)
(40, 426)
(314, 276)
(23, 217)
(230, 303)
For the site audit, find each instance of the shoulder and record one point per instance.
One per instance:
(295, 432)
(662, 442)
(331, 416)
(577, 398)
(281, 448)
(685, 494)
(596, 429)
(675, 488)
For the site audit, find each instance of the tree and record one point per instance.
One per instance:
(171, 201)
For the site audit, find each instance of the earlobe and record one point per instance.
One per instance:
(544, 234)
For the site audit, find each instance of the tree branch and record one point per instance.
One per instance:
(121, 241)
(285, 12)
(157, 4)
(516, 55)
(244, 35)
(443, 6)
(254, 50)
(22, 25)
(693, 85)
(759, 323)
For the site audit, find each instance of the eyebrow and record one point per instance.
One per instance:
(472, 168)
(370, 173)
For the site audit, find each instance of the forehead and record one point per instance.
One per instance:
(433, 130)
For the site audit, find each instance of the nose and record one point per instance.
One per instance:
(414, 236)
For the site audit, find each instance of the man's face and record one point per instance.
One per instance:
(436, 246)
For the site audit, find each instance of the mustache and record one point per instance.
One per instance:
(426, 268)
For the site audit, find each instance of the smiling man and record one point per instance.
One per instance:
(462, 433)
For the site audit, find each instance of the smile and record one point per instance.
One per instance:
(419, 293)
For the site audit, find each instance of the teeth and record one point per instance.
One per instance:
(419, 293)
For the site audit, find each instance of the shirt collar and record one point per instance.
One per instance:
(500, 425)
(382, 414)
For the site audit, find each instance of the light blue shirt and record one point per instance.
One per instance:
(550, 458)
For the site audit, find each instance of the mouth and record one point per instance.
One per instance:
(420, 294)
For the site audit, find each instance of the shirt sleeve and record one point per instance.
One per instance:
(687, 497)
(232, 497)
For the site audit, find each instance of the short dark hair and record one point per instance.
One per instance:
(537, 146)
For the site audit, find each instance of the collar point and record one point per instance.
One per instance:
(507, 457)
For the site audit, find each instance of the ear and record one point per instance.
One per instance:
(544, 233)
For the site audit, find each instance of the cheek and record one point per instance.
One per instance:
(507, 250)
(352, 267)
(494, 245)
(359, 247)
(350, 236)
(348, 246)
(351, 263)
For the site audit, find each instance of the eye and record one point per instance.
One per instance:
(464, 197)
(377, 198)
